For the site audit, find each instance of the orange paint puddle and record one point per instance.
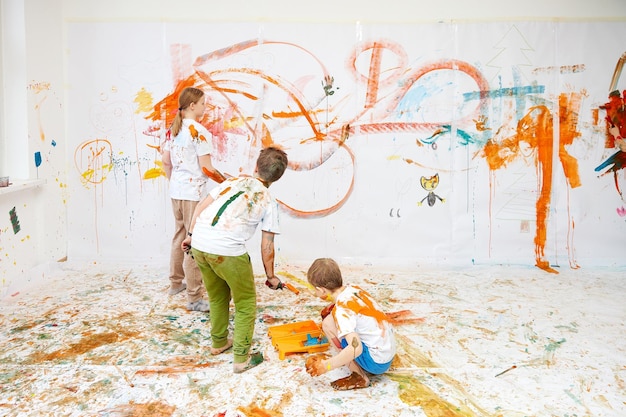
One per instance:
(88, 343)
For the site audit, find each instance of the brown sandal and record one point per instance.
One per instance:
(354, 381)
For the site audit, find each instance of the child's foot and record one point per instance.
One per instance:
(253, 360)
(217, 351)
(353, 381)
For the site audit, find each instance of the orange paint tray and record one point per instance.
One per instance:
(292, 338)
(292, 329)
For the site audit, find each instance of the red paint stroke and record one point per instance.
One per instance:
(615, 116)
(374, 75)
(621, 211)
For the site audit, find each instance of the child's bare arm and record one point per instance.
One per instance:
(347, 354)
(267, 255)
(209, 170)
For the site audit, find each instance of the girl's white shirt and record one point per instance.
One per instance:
(187, 181)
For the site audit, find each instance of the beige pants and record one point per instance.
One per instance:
(183, 266)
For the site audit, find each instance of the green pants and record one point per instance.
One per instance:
(225, 277)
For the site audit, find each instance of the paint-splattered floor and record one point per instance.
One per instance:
(108, 341)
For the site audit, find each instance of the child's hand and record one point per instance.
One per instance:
(274, 283)
(186, 244)
(315, 365)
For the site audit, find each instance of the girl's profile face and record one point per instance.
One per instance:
(199, 107)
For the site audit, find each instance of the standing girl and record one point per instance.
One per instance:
(186, 157)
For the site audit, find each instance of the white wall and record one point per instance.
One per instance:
(275, 86)
(395, 11)
(34, 122)
(85, 55)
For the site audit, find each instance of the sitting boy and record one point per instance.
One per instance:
(357, 326)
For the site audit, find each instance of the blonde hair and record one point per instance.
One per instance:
(187, 96)
(325, 273)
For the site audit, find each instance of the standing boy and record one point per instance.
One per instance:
(221, 225)
(356, 326)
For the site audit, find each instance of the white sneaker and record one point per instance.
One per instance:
(176, 290)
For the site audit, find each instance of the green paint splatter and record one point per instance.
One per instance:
(551, 347)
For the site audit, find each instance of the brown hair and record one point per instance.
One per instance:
(271, 164)
(325, 273)
(187, 96)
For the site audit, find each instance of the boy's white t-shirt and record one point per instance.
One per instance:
(357, 312)
(187, 181)
(239, 206)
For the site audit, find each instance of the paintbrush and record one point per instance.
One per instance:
(507, 370)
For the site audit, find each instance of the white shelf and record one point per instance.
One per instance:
(21, 185)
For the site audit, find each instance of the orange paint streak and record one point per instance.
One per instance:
(569, 107)
(363, 304)
(168, 370)
(323, 212)
(291, 288)
(536, 129)
(167, 108)
(157, 147)
(42, 134)
(215, 177)
(255, 411)
(93, 160)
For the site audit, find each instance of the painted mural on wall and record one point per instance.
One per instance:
(480, 143)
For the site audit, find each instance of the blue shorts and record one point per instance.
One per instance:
(365, 361)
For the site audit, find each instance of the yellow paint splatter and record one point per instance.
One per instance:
(144, 101)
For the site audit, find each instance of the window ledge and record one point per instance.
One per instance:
(21, 185)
